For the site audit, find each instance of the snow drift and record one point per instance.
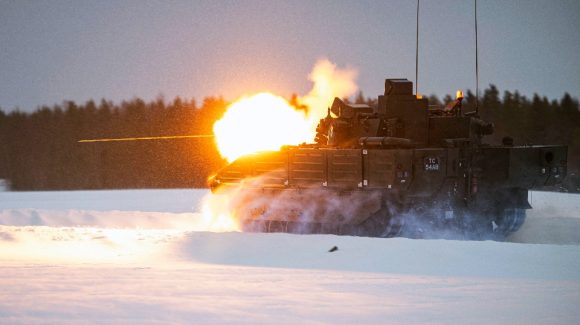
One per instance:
(143, 256)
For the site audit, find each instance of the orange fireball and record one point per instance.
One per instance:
(259, 123)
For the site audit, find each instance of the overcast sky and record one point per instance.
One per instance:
(52, 51)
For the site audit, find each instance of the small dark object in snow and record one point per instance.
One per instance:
(333, 249)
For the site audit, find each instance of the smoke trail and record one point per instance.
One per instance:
(329, 82)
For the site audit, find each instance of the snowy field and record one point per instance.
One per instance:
(147, 257)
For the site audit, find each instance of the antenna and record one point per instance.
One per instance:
(476, 66)
(417, 55)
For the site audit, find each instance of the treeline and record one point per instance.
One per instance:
(39, 151)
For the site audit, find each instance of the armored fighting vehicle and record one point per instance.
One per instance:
(400, 168)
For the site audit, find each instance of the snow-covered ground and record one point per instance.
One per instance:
(144, 256)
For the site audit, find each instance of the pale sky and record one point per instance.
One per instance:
(52, 51)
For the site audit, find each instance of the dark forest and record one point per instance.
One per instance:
(39, 150)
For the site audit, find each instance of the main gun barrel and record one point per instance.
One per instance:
(148, 138)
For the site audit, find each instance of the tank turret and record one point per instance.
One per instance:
(400, 115)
